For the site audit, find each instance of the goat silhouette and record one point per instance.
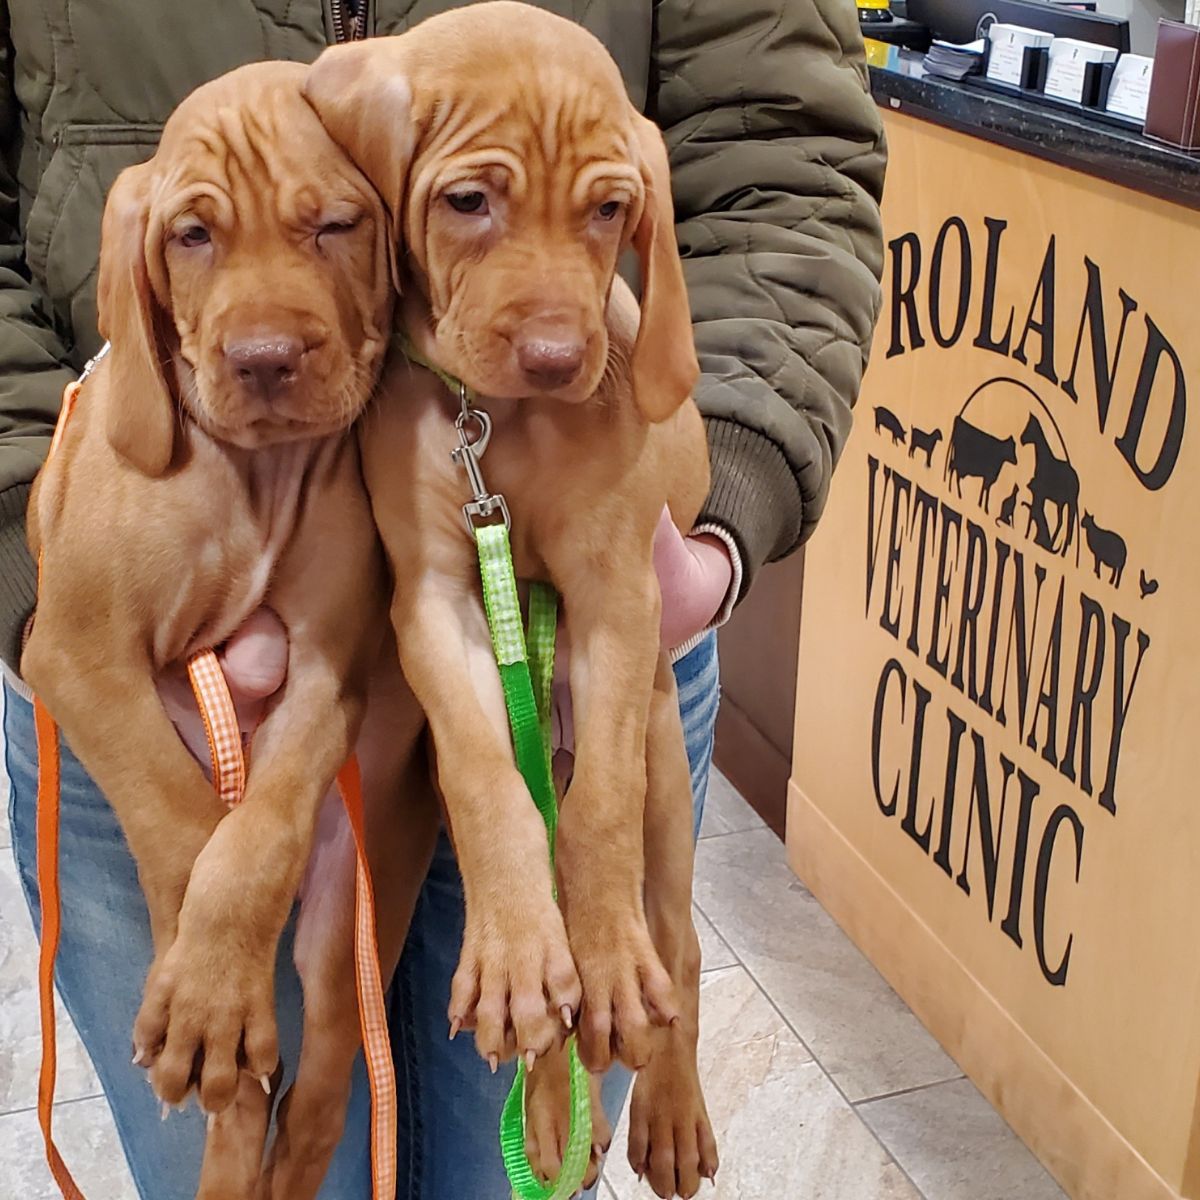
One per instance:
(1148, 586)
(1054, 481)
(1108, 549)
(925, 442)
(978, 454)
(886, 419)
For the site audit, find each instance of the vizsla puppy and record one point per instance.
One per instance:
(244, 287)
(516, 171)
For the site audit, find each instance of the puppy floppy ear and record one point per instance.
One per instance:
(664, 356)
(141, 417)
(361, 93)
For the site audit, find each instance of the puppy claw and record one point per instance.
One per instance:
(140, 1057)
(530, 1059)
(455, 1026)
(265, 1080)
(212, 1122)
(567, 1016)
(493, 1061)
(165, 1112)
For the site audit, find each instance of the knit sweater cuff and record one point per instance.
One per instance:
(18, 576)
(754, 495)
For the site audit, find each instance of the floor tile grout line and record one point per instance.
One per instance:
(712, 837)
(899, 1093)
(822, 1068)
(720, 937)
(32, 1108)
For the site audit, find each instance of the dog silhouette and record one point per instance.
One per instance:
(1108, 549)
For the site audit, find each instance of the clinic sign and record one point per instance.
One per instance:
(1001, 777)
(988, 506)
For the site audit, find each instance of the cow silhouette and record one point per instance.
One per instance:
(1054, 481)
(974, 452)
(1147, 586)
(1108, 549)
(925, 442)
(886, 419)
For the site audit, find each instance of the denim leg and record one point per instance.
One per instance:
(449, 1102)
(104, 955)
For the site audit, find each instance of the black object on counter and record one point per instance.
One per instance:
(965, 20)
(1061, 132)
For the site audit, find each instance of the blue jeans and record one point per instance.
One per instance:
(449, 1102)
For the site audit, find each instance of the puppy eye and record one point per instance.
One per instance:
(608, 210)
(473, 203)
(345, 225)
(194, 235)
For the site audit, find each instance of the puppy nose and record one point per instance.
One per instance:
(550, 360)
(266, 364)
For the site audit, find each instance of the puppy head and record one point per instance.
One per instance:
(244, 275)
(515, 171)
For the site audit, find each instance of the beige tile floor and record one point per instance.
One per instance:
(821, 1083)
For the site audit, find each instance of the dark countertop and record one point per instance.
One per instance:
(1070, 139)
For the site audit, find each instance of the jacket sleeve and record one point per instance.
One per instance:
(777, 157)
(32, 377)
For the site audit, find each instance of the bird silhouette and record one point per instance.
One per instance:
(1148, 586)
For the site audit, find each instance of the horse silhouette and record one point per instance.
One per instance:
(978, 454)
(886, 419)
(1054, 481)
(1148, 586)
(925, 442)
(1108, 548)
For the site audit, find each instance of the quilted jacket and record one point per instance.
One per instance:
(777, 155)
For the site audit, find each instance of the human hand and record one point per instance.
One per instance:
(694, 576)
(255, 662)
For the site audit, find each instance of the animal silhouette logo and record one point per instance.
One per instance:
(975, 453)
(887, 420)
(924, 441)
(1005, 435)
(1108, 549)
(1054, 483)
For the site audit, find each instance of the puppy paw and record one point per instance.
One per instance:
(516, 986)
(671, 1143)
(548, 1118)
(626, 989)
(208, 1014)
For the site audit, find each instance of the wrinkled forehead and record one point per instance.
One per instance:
(251, 155)
(554, 131)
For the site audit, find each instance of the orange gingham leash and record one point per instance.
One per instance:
(229, 779)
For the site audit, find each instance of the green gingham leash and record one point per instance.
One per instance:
(526, 673)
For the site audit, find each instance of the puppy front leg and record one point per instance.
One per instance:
(670, 1136)
(210, 1003)
(99, 690)
(613, 623)
(402, 819)
(515, 976)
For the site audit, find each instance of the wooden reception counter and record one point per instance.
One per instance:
(999, 794)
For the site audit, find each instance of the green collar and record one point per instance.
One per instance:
(456, 386)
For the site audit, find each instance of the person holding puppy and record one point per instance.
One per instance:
(777, 163)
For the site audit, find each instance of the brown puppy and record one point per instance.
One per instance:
(244, 287)
(516, 171)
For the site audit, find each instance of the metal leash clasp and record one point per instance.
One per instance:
(483, 504)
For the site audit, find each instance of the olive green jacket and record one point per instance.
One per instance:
(777, 155)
